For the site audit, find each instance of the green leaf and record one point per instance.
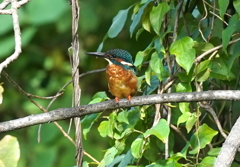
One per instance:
(220, 70)
(128, 158)
(184, 107)
(9, 151)
(202, 47)
(184, 87)
(201, 138)
(204, 75)
(191, 122)
(87, 123)
(145, 19)
(85, 164)
(116, 160)
(207, 162)
(214, 151)
(142, 56)
(184, 77)
(184, 52)
(122, 117)
(148, 76)
(223, 4)
(161, 130)
(108, 157)
(154, 82)
(236, 5)
(183, 118)
(233, 26)
(157, 66)
(102, 95)
(202, 66)
(157, 14)
(104, 129)
(41, 12)
(137, 17)
(118, 23)
(137, 147)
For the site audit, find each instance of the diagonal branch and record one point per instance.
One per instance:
(66, 113)
(17, 37)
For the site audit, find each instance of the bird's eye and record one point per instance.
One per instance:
(109, 56)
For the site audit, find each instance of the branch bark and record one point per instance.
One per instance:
(229, 148)
(66, 113)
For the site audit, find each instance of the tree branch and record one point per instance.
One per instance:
(66, 113)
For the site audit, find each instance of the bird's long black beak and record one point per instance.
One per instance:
(97, 54)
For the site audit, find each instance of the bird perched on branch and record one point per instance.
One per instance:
(121, 74)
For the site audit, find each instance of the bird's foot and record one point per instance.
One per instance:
(129, 98)
(116, 99)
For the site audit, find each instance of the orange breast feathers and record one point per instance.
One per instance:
(121, 83)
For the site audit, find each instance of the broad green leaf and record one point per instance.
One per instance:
(108, 157)
(202, 66)
(89, 120)
(87, 123)
(183, 118)
(201, 138)
(223, 4)
(128, 158)
(102, 95)
(85, 164)
(202, 47)
(184, 52)
(157, 14)
(154, 83)
(191, 122)
(214, 151)
(9, 151)
(104, 129)
(118, 23)
(133, 117)
(139, 32)
(42, 14)
(184, 107)
(184, 151)
(204, 75)
(137, 147)
(207, 162)
(161, 130)
(142, 56)
(145, 19)
(122, 117)
(116, 160)
(233, 26)
(137, 17)
(148, 76)
(184, 77)
(236, 5)
(184, 87)
(157, 66)
(173, 163)
(220, 70)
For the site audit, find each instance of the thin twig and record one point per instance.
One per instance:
(198, 59)
(213, 19)
(219, 18)
(199, 24)
(210, 110)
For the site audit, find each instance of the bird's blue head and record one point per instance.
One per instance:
(116, 56)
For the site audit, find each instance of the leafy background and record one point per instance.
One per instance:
(121, 137)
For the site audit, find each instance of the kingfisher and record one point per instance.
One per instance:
(120, 72)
